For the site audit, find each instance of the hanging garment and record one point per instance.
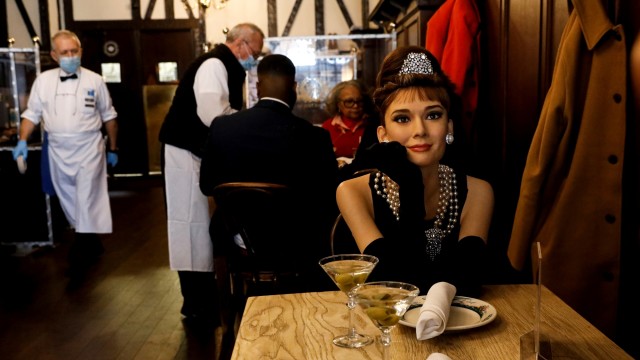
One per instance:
(571, 192)
(453, 37)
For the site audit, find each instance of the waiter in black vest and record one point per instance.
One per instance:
(211, 86)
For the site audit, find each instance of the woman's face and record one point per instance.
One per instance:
(420, 125)
(350, 103)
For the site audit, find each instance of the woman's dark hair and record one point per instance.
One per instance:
(434, 85)
(331, 104)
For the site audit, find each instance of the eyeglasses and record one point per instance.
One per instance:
(255, 54)
(349, 103)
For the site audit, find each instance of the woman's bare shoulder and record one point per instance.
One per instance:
(478, 185)
(357, 185)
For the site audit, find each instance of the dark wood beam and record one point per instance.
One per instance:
(168, 10)
(365, 14)
(201, 34)
(4, 28)
(272, 16)
(188, 9)
(26, 19)
(67, 20)
(45, 33)
(319, 12)
(345, 13)
(292, 18)
(135, 9)
(147, 14)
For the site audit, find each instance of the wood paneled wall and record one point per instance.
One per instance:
(520, 40)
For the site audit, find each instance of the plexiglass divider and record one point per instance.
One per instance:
(535, 344)
(322, 62)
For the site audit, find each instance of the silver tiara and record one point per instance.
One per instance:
(417, 63)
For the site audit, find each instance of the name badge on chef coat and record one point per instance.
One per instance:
(90, 98)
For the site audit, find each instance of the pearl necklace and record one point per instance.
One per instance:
(389, 192)
(448, 201)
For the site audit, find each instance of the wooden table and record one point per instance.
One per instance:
(301, 326)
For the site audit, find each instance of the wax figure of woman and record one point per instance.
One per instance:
(351, 107)
(425, 221)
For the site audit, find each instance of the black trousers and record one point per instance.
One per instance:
(200, 295)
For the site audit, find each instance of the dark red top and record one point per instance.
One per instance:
(345, 144)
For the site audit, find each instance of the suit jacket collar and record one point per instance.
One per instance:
(274, 104)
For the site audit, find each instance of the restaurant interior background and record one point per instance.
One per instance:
(151, 43)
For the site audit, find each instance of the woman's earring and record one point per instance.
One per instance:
(385, 141)
(449, 138)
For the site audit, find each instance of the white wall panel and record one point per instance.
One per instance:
(234, 12)
(17, 28)
(101, 10)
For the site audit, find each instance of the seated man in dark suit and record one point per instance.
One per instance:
(267, 143)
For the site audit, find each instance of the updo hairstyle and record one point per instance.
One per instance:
(435, 86)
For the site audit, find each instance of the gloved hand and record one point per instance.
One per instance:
(471, 255)
(112, 158)
(391, 159)
(20, 149)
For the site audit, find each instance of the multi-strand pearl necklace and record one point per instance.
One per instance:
(448, 201)
(388, 189)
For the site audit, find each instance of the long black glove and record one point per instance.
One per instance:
(394, 261)
(391, 159)
(469, 263)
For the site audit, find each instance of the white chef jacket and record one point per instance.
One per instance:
(188, 215)
(73, 113)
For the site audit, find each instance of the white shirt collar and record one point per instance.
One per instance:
(274, 99)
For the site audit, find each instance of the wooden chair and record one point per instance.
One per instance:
(268, 264)
(342, 242)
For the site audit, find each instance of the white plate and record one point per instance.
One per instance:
(465, 313)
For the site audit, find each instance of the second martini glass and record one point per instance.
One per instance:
(385, 302)
(349, 271)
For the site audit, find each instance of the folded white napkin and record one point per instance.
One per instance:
(435, 311)
(438, 356)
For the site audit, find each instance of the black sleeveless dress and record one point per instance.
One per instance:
(407, 258)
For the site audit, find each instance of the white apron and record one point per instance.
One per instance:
(79, 175)
(188, 217)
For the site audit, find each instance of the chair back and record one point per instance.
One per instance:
(257, 212)
(278, 257)
(342, 241)
(250, 210)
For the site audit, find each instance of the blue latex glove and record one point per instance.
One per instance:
(112, 158)
(20, 149)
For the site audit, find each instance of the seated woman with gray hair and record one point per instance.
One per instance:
(351, 108)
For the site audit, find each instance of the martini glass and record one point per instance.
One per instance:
(348, 271)
(385, 302)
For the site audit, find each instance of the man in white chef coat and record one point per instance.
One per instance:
(211, 86)
(73, 104)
